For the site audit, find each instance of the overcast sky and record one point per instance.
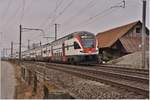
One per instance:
(71, 15)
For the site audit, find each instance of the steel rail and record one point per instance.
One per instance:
(136, 77)
(122, 68)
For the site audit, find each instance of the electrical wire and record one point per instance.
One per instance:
(51, 13)
(22, 14)
(10, 21)
(28, 7)
(6, 10)
(81, 11)
(13, 16)
(98, 14)
(107, 13)
(62, 12)
(87, 20)
(58, 4)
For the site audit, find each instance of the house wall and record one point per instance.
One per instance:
(130, 42)
(135, 32)
(133, 39)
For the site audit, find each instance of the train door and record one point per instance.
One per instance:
(52, 55)
(63, 53)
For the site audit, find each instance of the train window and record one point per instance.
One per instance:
(67, 47)
(88, 43)
(44, 51)
(49, 50)
(76, 45)
(70, 37)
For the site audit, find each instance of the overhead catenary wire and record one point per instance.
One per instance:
(11, 21)
(6, 10)
(89, 5)
(69, 4)
(111, 10)
(51, 15)
(102, 16)
(62, 12)
(22, 14)
(12, 17)
(28, 7)
(58, 4)
(89, 19)
(100, 13)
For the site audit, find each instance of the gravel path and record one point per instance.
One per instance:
(8, 81)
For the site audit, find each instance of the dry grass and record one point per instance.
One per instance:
(25, 91)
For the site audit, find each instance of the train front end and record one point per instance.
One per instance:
(89, 51)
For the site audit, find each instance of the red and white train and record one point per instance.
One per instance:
(77, 47)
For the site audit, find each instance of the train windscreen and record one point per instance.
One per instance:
(88, 41)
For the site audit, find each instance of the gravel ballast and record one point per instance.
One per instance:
(87, 89)
(82, 88)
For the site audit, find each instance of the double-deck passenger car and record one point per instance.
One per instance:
(74, 48)
(77, 47)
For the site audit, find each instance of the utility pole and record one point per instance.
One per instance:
(56, 31)
(20, 37)
(40, 43)
(41, 47)
(28, 44)
(143, 35)
(11, 49)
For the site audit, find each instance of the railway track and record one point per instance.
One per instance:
(122, 68)
(136, 81)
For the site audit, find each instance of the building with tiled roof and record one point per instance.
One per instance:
(121, 40)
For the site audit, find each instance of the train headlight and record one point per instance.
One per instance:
(81, 51)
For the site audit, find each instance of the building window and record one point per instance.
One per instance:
(138, 30)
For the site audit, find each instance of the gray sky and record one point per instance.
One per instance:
(71, 15)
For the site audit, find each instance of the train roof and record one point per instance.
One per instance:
(72, 34)
(60, 39)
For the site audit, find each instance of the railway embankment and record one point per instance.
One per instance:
(43, 89)
(50, 82)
